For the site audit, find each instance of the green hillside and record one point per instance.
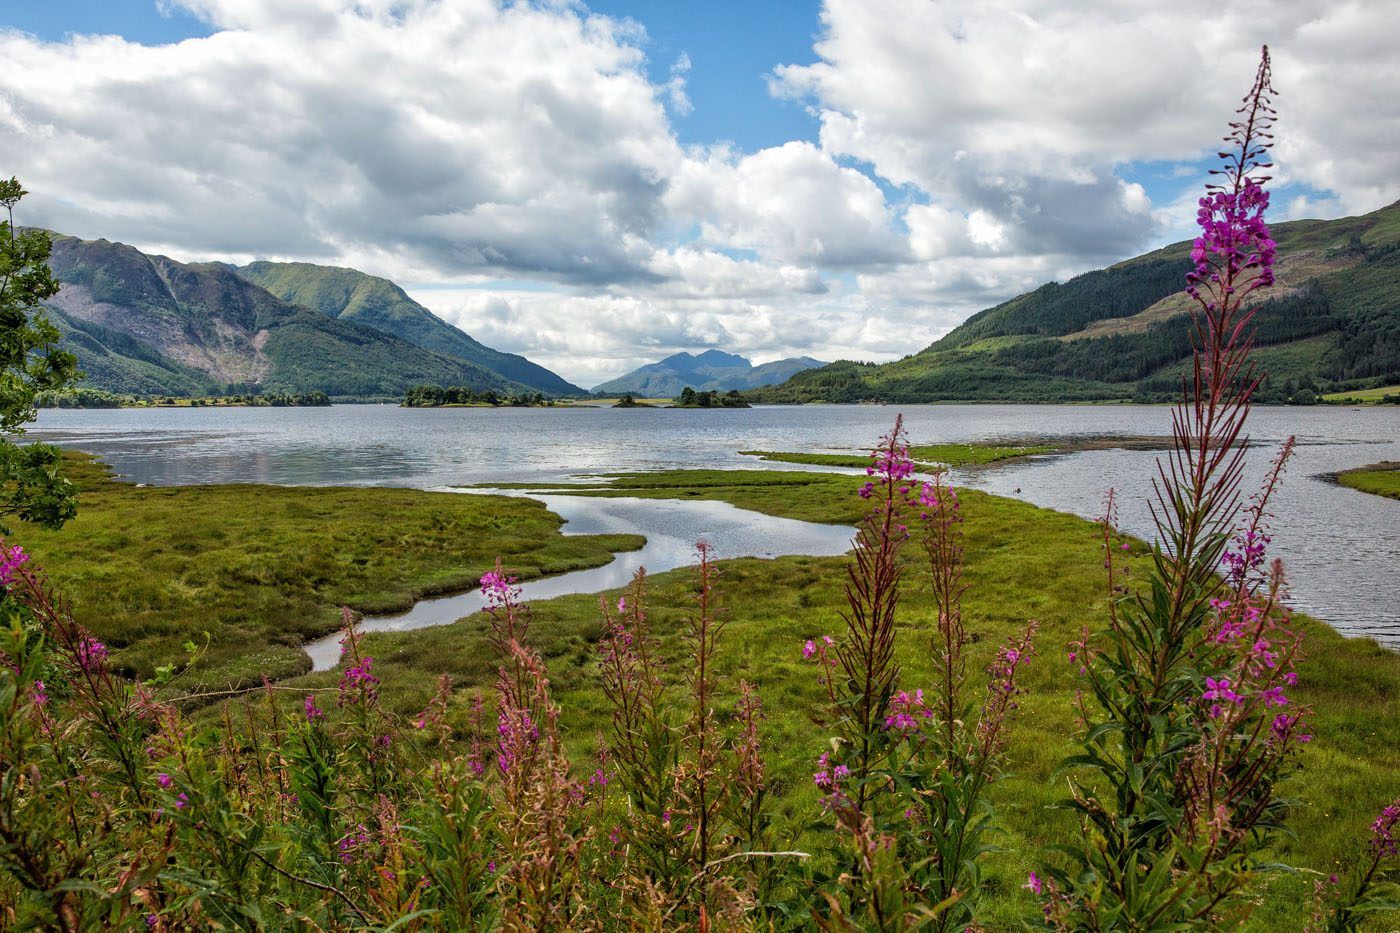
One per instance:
(363, 299)
(149, 325)
(1331, 321)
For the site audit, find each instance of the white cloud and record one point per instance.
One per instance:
(968, 151)
(789, 203)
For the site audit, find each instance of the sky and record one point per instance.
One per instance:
(598, 185)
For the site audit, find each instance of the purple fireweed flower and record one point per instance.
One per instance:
(1250, 556)
(11, 559)
(351, 844)
(906, 711)
(829, 777)
(1219, 690)
(1383, 841)
(1261, 653)
(1033, 884)
(1274, 697)
(867, 490)
(152, 921)
(163, 779)
(1283, 728)
(517, 733)
(1291, 678)
(313, 712)
(498, 588)
(809, 649)
(928, 496)
(358, 680)
(1234, 239)
(181, 800)
(92, 654)
(38, 694)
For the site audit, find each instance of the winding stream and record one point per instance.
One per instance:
(671, 528)
(1340, 547)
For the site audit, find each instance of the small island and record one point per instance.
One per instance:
(435, 396)
(713, 398)
(1378, 479)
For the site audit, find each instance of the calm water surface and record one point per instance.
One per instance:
(1341, 547)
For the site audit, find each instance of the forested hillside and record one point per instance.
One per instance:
(1331, 321)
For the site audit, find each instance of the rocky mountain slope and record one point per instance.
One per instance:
(150, 325)
(353, 296)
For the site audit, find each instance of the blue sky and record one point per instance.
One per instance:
(732, 46)
(137, 20)
(516, 169)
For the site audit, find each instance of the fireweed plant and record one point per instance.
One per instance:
(323, 809)
(1188, 727)
(907, 770)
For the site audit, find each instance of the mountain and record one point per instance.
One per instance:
(153, 326)
(364, 299)
(712, 369)
(1331, 320)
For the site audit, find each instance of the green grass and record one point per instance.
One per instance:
(1023, 563)
(1362, 396)
(927, 457)
(264, 568)
(1380, 479)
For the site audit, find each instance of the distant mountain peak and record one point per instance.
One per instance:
(704, 371)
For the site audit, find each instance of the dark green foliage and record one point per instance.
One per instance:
(712, 398)
(31, 485)
(434, 396)
(1055, 309)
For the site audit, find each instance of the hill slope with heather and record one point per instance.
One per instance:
(1331, 321)
(149, 325)
(359, 298)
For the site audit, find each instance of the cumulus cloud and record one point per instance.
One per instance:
(968, 150)
(1026, 110)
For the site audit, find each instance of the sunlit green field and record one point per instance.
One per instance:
(1362, 396)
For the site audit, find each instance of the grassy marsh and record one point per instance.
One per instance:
(262, 569)
(1023, 562)
(1379, 479)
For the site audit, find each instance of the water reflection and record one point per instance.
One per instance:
(1340, 546)
(671, 529)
